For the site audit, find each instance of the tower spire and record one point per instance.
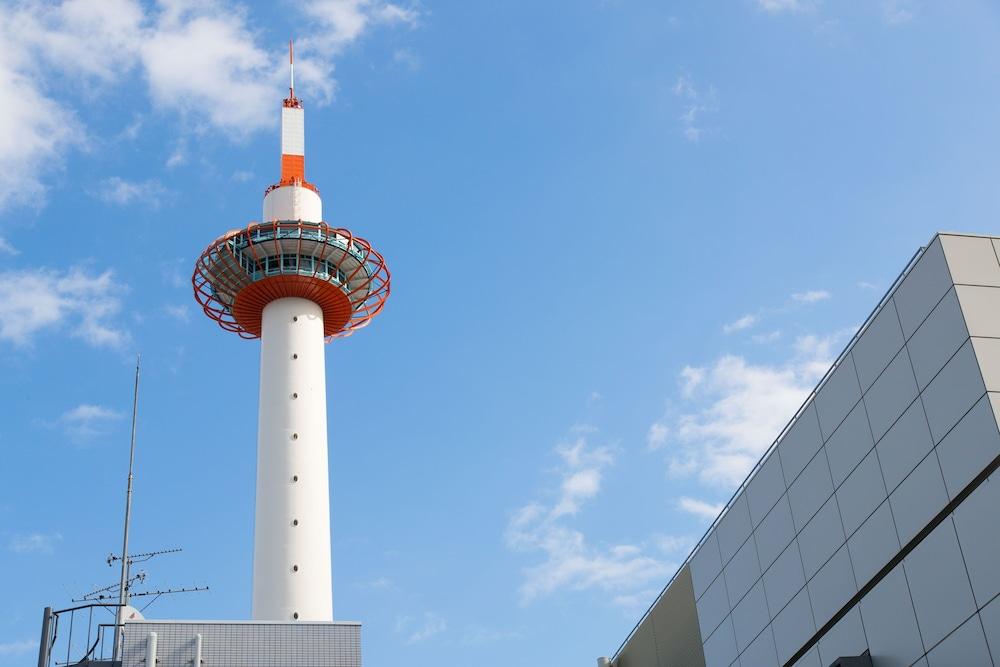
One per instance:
(291, 70)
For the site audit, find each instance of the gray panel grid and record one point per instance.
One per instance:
(247, 644)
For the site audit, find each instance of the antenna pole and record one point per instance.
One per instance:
(123, 584)
(291, 70)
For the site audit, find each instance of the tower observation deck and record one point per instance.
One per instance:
(295, 282)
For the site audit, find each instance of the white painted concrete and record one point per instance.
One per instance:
(293, 202)
(293, 133)
(292, 478)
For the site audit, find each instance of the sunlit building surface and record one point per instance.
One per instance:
(868, 532)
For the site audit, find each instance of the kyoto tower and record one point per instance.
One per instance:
(294, 282)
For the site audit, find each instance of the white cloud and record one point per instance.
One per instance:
(35, 132)
(569, 562)
(176, 158)
(406, 58)
(699, 508)
(18, 648)
(691, 379)
(636, 603)
(86, 421)
(343, 22)
(86, 412)
(201, 60)
(582, 480)
(242, 176)
(379, 584)
(7, 249)
(744, 322)
(778, 6)
(428, 626)
(811, 296)
(657, 435)
(34, 543)
(768, 337)
(478, 636)
(695, 104)
(86, 41)
(179, 312)
(118, 191)
(736, 408)
(35, 300)
(897, 12)
(672, 544)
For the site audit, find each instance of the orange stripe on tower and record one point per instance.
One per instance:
(293, 167)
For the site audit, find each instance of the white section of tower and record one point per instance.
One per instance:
(292, 567)
(293, 202)
(293, 131)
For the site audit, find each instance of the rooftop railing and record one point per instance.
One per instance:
(80, 635)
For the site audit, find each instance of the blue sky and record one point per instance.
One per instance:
(626, 239)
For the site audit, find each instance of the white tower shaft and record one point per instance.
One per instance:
(292, 564)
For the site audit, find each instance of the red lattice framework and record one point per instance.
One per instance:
(245, 269)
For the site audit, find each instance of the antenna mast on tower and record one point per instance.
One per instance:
(291, 70)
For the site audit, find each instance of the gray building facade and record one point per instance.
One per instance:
(869, 529)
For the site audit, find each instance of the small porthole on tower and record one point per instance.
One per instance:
(295, 522)
(295, 319)
(294, 396)
(295, 616)
(295, 356)
(295, 568)
(295, 436)
(295, 478)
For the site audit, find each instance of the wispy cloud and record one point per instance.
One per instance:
(699, 508)
(406, 58)
(897, 12)
(18, 647)
(420, 630)
(37, 300)
(568, 561)
(34, 543)
(779, 6)
(177, 157)
(87, 421)
(696, 103)
(179, 312)
(343, 22)
(811, 296)
(742, 323)
(478, 636)
(656, 437)
(118, 191)
(378, 584)
(768, 337)
(7, 249)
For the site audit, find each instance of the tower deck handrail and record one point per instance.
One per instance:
(819, 385)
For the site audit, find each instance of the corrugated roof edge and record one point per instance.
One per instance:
(819, 385)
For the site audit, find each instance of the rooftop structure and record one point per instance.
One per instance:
(866, 535)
